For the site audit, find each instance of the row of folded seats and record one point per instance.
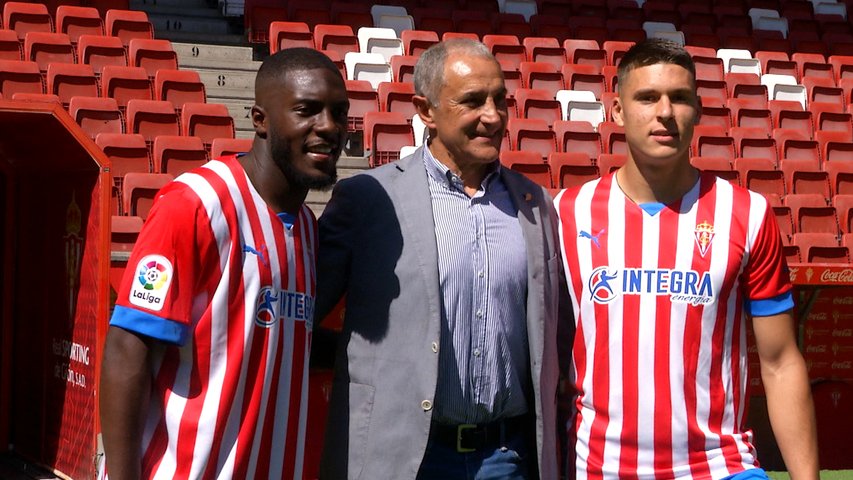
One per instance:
(75, 21)
(795, 26)
(139, 173)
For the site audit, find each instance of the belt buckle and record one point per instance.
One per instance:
(459, 429)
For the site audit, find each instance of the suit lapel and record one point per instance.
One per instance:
(414, 209)
(526, 195)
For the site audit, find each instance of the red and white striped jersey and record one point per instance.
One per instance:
(661, 302)
(229, 288)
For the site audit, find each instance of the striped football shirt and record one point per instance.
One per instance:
(228, 287)
(661, 302)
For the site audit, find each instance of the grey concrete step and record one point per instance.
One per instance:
(179, 7)
(232, 80)
(200, 54)
(211, 39)
(181, 23)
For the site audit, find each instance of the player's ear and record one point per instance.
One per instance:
(616, 111)
(424, 109)
(259, 120)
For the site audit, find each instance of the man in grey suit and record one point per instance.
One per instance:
(447, 366)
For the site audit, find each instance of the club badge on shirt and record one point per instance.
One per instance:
(153, 277)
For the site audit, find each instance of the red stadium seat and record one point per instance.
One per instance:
(530, 164)
(804, 176)
(229, 146)
(471, 21)
(312, 12)
(67, 80)
(101, 51)
(385, 133)
(823, 89)
(815, 219)
(338, 38)
(10, 47)
(506, 49)
(720, 116)
(23, 18)
(179, 87)
(538, 104)
(842, 65)
(416, 42)
(615, 50)
(176, 155)
(258, 19)
(125, 83)
(152, 118)
(45, 48)
(812, 252)
(760, 175)
(152, 55)
(578, 137)
(612, 138)
(127, 25)
(719, 166)
(403, 68)
(96, 115)
(709, 68)
(570, 169)
(545, 50)
(139, 191)
(583, 77)
(127, 153)
(844, 209)
(37, 97)
(840, 176)
(836, 122)
(18, 76)
(289, 34)
(585, 52)
(123, 232)
(206, 121)
(714, 146)
(794, 144)
(541, 76)
(75, 21)
(531, 135)
(610, 162)
(754, 142)
(784, 221)
(777, 62)
(363, 99)
(397, 97)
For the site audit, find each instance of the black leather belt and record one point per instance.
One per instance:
(468, 437)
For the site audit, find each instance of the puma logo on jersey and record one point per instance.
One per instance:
(594, 238)
(262, 254)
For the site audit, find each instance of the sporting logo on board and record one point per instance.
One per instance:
(153, 277)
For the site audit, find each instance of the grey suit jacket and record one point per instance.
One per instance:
(377, 246)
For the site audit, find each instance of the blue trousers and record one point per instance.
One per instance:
(508, 461)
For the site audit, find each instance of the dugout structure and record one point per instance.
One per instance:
(54, 212)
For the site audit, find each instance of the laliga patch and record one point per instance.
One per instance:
(153, 277)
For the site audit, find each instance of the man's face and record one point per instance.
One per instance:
(307, 126)
(470, 118)
(658, 107)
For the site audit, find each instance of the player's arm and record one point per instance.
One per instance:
(125, 389)
(789, 400)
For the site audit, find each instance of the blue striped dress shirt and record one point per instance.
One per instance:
(482, 266)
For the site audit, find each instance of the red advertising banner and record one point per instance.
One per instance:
(821, 274)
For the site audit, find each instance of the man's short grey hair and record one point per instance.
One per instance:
(429, 71)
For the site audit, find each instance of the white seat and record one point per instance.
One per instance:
(566, 96)
(739, 61)
(376, 11)
(831, 8)
(676, 36)
(784, 87)
(383, 41)
(651, 27)
(398, 23)
(756, 13)
(368, 66)
(527, 8)
(407, 150)
(592, 112)
(779, 24)
(421, 132)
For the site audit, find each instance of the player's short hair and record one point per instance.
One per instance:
(429, 71)
(651, 52)
(288, 60)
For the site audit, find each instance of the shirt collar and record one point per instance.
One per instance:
(441, 174)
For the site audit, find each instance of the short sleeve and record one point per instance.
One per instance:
(766, 279)
(163, 275)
